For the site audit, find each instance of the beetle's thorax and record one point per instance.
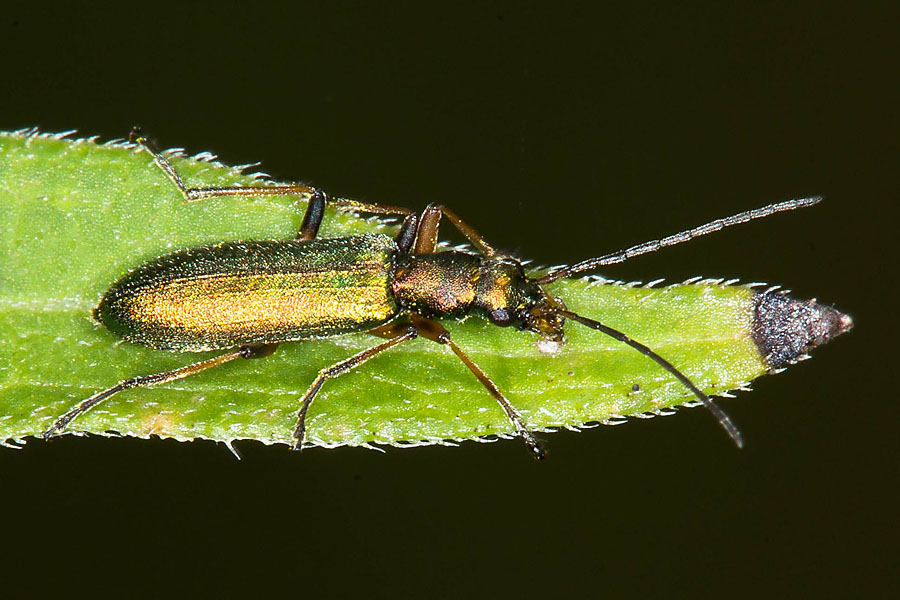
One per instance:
(449, 284)
(435, 285)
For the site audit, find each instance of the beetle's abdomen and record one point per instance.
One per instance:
(239, 293)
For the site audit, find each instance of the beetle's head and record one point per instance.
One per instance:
(509, 297)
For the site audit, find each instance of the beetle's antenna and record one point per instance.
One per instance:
(724, 420)
(684, 236)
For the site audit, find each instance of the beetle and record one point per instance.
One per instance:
(249, 296)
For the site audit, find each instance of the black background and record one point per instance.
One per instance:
(559, 134)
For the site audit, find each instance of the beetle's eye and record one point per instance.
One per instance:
(500, 317)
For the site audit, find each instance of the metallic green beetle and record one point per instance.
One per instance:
(248, 297)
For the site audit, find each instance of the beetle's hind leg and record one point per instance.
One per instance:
(158, 378)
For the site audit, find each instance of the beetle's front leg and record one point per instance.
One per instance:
(435, 332)
(427, 231)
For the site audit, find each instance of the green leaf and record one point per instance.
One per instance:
(77, 215)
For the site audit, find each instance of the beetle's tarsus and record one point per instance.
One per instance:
(299, 435)
(536, 447)
(136, 136)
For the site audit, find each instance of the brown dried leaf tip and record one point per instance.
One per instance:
(785, 329)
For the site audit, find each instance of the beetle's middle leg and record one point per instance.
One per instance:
(395, 333)
(257, 351)
(192, 194)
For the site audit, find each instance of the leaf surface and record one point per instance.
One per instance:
(77, 215)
